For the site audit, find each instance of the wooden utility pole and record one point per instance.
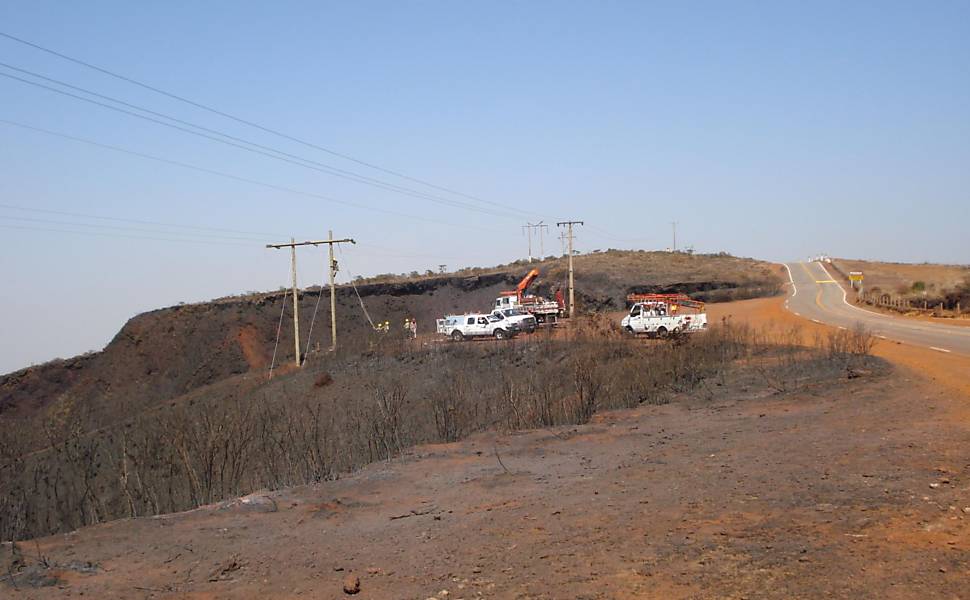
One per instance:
(296, 304)
(527, 229)
(572, 287)
(542, 250)
(333, 271)
(333, 294)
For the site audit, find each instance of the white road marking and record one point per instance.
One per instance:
(898, 322)
(792, 280)
(846, 301)
(939, 349)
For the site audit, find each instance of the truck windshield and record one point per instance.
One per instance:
(513, 312)
(493, 318)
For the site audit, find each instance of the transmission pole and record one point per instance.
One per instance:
(333, 271)
(333, 295)
(296, 303)
(674, 225)
(527, 229)
(572, 287)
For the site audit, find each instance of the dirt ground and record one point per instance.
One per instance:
(949, 371)
(849, 488)
(890, 276)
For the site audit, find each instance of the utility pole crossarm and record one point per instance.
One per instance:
(296, 299)
(312, 243)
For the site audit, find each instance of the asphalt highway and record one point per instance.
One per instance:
(817, 296)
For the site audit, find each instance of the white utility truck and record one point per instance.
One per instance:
(544, 311)
(663, 315)
(518, 320)
(460, 327)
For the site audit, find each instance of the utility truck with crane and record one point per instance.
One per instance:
(664, 315)
(545, 311)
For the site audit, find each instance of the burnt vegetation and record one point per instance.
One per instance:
(178, 412)
(340, 413)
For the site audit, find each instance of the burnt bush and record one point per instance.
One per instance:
(229, 440)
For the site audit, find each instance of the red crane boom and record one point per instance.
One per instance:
(523, 285)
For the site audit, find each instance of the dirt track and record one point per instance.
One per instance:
(851, 488)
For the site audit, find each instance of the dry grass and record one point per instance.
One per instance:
(292, 430)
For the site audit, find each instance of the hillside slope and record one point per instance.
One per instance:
(163, 354)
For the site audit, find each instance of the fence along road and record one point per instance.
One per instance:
(816, 295)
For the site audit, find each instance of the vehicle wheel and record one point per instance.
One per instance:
(457, 336)
(630, 330)
(501, 334)
(532, 330)
(662, 332)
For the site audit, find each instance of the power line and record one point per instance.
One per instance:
(255, 182)
(122, 235)
(137, 221)
(253, 124)
(210, 109)
(240, 143)
(606, 234)
(123, 228)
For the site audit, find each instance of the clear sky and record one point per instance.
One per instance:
(772, 130)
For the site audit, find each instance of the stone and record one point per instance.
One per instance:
(351, 584)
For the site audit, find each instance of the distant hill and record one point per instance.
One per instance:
(161, 355)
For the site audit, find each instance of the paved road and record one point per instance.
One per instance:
(817, 296)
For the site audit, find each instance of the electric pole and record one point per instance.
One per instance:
(572, 287)
(296, 310)
(674, 225)
(527, 229)
(333, 295)
(542, 250)
(296, 303)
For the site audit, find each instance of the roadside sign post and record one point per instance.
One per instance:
(855, 277)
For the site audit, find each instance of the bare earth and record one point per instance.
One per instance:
(851, 488)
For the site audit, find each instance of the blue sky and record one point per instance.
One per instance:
(772, 130)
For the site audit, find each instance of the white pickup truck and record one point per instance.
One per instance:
(460, 327)
(518, 320)
(656, 319)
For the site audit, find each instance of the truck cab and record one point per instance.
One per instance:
(518, 320)
(461, 327)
